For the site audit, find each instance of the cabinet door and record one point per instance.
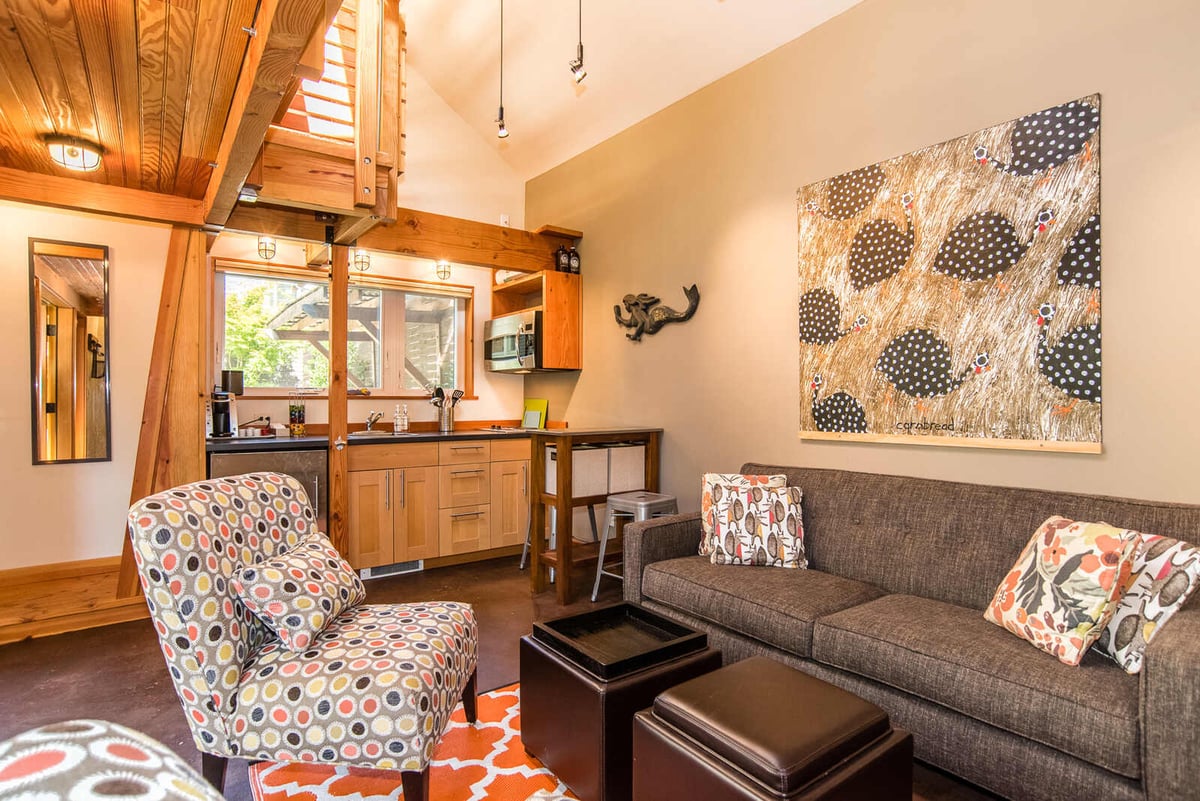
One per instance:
(370, 518)
(465, 529)
(510, 502)
(416, 514)
(464, 485)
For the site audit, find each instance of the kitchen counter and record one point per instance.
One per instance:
(311, 443)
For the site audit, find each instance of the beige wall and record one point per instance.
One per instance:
(704, 192)
(60, 513)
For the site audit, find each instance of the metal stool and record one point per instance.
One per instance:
(553, 534)
(637, 505)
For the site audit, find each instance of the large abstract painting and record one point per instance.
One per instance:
(952, 295)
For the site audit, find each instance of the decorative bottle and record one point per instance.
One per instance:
(396, 427)
(404, 419)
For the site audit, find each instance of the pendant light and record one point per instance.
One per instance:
(502, 131)
(577, 65)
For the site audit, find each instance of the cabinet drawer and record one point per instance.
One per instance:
(465, 452)
(383, 456)
(464, 484)
(511, 450)
(465, 529)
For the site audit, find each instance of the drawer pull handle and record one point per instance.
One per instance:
(467, 514)
(465, 472)
(466, 447)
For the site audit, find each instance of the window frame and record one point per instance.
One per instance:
(392, 347)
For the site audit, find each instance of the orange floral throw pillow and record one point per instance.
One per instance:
(1065, 586)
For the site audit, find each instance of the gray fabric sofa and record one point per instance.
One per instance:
(891, 608)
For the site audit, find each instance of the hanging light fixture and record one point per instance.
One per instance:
(72, 152)
(442, 269)
(577, 65)
(266, 248)
(362, 260)
(502, 131)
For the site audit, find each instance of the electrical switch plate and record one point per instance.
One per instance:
(504, 220)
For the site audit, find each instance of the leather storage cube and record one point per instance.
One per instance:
(759, 729)
(580, 726)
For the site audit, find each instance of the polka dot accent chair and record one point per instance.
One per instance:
(94, 760)
(375, 688)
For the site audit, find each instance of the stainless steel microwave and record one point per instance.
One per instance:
(513, 343)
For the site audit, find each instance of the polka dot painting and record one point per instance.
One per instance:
(980, 247)
(849, 194)
(820, 316)
(1046, 139)
(918, 364)
(881, 249)
(1073, 363)
(838, 412)
(1080, 263)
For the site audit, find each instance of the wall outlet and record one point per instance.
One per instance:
(504, 220)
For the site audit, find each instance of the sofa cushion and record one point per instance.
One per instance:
(775, 606)
(951, 656)
(758, 526)
(713, 486)
(1165, 572)
(1063, 588)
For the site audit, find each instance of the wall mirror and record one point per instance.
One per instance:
(68, 321)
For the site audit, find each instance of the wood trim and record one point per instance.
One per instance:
(435, 236)
(171, 437)
(301, 140)
(122, 610)
(366, 101)
(336, 508)
(284, 31)
(58, 570)
(256, 219)
(559, 232)
(116, 201)
(960, 442)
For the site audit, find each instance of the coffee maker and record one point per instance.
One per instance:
(221, 419)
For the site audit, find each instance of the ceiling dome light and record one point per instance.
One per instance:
(266, 247)
(73, 153)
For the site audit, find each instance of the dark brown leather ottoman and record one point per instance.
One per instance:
(582, 682)
(759, 729)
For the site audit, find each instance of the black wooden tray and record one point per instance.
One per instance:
(612, 641)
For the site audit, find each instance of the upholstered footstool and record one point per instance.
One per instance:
(758, 729)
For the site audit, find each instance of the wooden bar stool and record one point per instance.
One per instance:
(637, 505)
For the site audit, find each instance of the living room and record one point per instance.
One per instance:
(704, 192)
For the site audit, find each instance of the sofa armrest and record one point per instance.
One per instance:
(1170, 708)
(654, 540)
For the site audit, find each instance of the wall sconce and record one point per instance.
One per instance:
(266, 248)
(73, 153)
(442, 269)
(362, 261)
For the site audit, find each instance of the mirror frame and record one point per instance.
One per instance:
(34, 377)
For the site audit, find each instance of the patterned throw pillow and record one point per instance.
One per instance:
(299, 592)
(1165, 572)
(759, 526)
(715, 486)
(1065, 585)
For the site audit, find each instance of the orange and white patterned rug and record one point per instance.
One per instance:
(486, 760)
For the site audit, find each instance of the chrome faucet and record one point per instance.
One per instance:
(372, 419)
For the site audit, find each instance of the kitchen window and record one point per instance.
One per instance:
(403, 335)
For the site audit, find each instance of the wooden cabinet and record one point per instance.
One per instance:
(559, 297)
(510, 502)
(415, 501)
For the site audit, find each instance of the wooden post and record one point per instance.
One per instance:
(338, 513)
(171, 440)
(366, 101)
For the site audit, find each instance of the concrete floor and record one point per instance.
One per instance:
(117, 672)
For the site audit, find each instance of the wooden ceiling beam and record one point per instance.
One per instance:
(116, 201)
(434, 236)
(256, 219)
(284, 30)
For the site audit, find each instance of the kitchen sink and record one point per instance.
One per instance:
(372, 434)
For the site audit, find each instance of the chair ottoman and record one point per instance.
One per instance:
(758, 729)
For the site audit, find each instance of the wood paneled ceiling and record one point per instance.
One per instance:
(148, 80)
